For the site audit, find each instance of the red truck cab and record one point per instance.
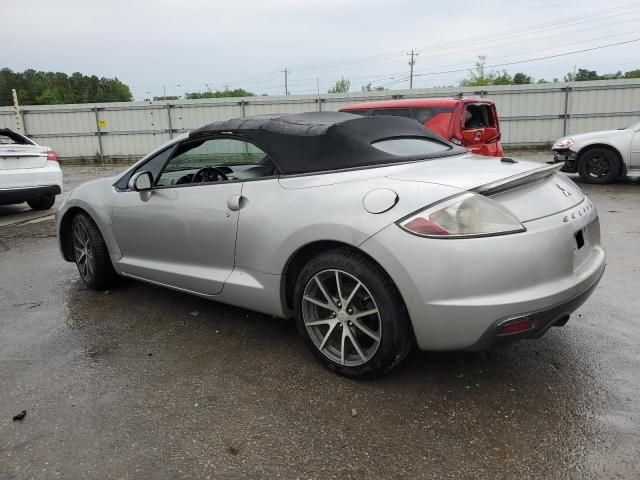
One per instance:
(470, 122)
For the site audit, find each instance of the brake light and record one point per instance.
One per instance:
(51, 155)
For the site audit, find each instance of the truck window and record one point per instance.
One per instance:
(479, 115)
(423, 115)
(394, 112)
(364, 113)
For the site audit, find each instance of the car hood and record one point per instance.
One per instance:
(604, 136)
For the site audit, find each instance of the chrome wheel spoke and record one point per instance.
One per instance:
(324, 292)
(356, 345)
(351, 295)
(326, 337)
(89, 264)
(366, 313)
(77, 235)
(366, 330)
(319, 303)
(315, 323)
(339, 288)
(342, 345)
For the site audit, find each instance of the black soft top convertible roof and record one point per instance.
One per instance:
(319, 141)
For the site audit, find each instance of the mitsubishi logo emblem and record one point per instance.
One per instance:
(567, 193)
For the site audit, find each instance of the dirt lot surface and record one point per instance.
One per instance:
(142, 382)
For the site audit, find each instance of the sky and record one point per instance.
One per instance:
(182, 46)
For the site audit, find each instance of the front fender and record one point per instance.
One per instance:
(96, 200)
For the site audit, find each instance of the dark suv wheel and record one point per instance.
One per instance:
(351, 314)
(599, 165)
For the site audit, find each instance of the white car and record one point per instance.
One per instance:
(28, 172)
(600, 157)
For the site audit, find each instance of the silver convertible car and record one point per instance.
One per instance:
(374, 233)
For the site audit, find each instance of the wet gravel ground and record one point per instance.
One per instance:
(143, 382)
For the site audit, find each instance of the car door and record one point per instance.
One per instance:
(182, 233)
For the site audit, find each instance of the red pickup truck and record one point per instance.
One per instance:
(470, 122)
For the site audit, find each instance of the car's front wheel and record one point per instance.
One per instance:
(351, 314)
(91, 254)
(42, 203)
(599, 165)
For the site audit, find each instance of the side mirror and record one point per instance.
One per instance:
(141, 182)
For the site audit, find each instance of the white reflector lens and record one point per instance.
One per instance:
(467, 215)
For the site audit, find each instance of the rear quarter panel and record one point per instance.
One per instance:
(282, 216)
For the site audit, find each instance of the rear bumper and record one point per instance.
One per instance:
(19, 195)
(541, 321)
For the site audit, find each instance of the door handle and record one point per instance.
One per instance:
(234, 203)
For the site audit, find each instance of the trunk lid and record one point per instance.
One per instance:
(22, 156)
(530, 190)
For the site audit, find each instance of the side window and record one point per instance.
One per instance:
(153, 165)
(214, 160)
(394, 112)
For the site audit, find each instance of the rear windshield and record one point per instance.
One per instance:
(8, 137)
(410, 147)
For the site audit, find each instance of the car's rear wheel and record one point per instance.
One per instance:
(351, 314)
(91, 254)
(599, 165)
(42, 203)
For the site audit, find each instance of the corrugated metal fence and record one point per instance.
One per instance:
(529, 115)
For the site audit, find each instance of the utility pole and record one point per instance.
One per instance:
(412, 62)
(286, 85)
(18, 113)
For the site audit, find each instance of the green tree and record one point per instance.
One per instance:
(585, 75)
(47, 88)
(369, 88)
(632, 74)
(341, 86)
(238, 92)
(502, 78)
(522, 78)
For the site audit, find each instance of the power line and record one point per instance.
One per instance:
(535, 59)
(597, 15)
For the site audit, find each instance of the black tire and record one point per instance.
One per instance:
(98, 274)
(395, 338)
(42, 203)
(599, 165)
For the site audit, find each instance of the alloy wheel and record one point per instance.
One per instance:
(341, 317)
(598, 167)
(82, 251)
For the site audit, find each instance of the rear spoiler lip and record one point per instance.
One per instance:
(517, 180)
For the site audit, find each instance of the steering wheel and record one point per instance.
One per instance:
(208, 174)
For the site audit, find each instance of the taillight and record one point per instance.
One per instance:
(465, 215)
(51, 155)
